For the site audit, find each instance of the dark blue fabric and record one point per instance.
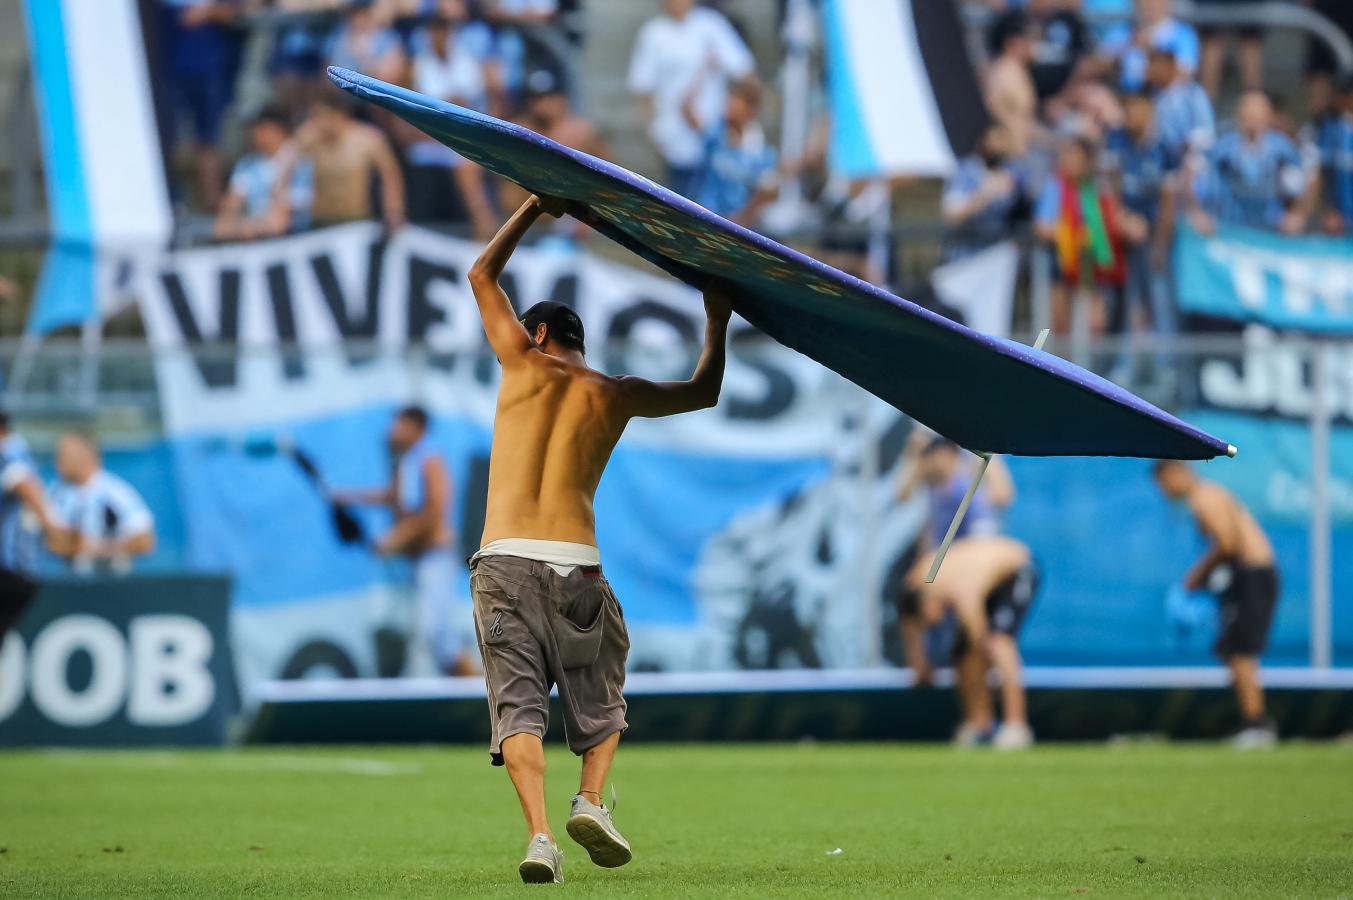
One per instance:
(983, 392)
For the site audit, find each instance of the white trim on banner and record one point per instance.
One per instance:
(119, 141)
(803, 680)
(890, 87)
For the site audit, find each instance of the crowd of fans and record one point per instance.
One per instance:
(1110, 141)
(312, 158)
(1105, 134)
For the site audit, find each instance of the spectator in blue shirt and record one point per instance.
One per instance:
(253, 206)
(364, 44)
(1255, 176)
(736, 175)
(1142, 166)
(1336, 164)
(1184, 120)
(1156, 28)
(982, 197)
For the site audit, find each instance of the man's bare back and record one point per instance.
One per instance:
(555, 428)
(558, 419)
(1223, 519)
(972, 569)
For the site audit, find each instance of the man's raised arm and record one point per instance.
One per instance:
(506, 334)
(648, 399)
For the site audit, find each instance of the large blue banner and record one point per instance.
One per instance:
(763, 534)
(1257, 276)
(314, 341)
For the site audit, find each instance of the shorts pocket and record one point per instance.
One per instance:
(496, 611)
(579, 623)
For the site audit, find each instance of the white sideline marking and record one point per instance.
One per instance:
(968, 495)
(244, 762)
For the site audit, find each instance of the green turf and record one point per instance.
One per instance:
(739, 821)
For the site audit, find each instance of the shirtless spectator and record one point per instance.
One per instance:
(1011, 97)
(546, 109)
(348, 157)
(987, 584)
(1240, 555)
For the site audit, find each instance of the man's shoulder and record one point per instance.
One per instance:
(1208, 495)
(107, 482)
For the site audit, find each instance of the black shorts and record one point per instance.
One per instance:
(16, 589)
(1247, 607)
(1007, 606)
(1245, 32)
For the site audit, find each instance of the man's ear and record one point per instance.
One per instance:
(542, 331)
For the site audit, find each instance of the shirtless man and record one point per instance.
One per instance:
(543, 611)
(1010, 94)
(944, 470)
(989, 583)
(1237, 543)
(347, 156)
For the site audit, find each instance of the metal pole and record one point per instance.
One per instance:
(1321, 564)
(880, 253)
(1040, 287)
(869, 524)
(798, 33)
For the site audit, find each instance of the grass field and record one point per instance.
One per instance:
(736, 821)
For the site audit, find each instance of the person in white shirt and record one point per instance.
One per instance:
(101, 519)
(446, 68)
(683, 45)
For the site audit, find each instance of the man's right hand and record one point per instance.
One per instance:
(718, 305)
(550, 206)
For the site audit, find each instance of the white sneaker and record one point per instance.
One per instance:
(591, 826)
(1255, 737)
(1011, 736)
(544, 862)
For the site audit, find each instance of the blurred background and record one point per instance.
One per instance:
(225, 281)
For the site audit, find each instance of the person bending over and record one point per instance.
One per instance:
(987, 583)
(544, 612)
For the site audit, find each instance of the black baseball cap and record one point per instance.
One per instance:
(563, 323)
(543, 83)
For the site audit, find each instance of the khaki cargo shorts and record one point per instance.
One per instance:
(536, 629)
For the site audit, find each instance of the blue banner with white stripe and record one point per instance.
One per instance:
(904, 99)
(1257, 276)
(101, 151)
